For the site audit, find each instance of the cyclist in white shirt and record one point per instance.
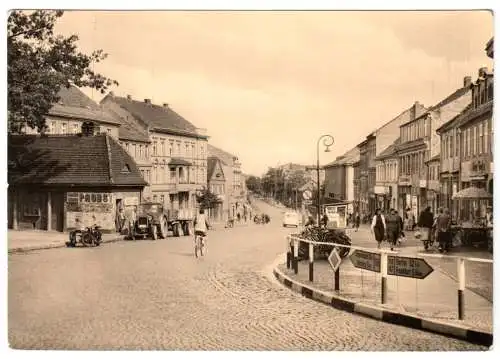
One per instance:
(201, 225)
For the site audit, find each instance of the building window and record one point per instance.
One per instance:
(481, 139)
(109, 131)
(134, 150)
(452, 140)
(173, 174)
(486, 136)
(457, 143)
(178, 149)
(52, 127)
(171, 148)
(193, 151)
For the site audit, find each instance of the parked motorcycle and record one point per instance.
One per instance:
(90, 236)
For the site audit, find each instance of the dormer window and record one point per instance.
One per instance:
(126, 169)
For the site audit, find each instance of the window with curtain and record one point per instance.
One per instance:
(457, 143)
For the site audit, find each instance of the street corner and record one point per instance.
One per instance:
(383, 313)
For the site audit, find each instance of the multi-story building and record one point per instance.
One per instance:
(385, 136)
(387, 177)
(339, 177)
(476, 142)
(433, 183)
(235, 193)
(362, 179)
(176, 157)
(217, 185)
(419, 143)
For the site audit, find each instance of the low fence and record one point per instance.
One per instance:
(383, 261)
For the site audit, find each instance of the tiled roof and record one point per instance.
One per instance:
(454, 120)
(226, 157)
(157, 117)
(389, 151)
(351, 156)
(70, 160)
(132, 133)
(452, 97)
(74, 103)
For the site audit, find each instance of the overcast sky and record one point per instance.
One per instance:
(266, 85)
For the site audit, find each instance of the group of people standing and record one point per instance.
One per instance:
(390, 227)
(436, 227)
(387, 227)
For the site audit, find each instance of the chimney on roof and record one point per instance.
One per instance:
(147, 100)
(129, 97)
(165, 105)
(482, 72)
(467, 81)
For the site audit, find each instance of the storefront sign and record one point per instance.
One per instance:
(404, 181)
(131, 201)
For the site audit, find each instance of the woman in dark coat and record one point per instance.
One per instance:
(378, 227)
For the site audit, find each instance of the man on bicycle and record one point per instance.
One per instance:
(201, 225)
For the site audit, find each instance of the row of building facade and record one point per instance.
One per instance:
(168, 157)
(423, 156)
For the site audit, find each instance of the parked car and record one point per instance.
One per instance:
(291, 219)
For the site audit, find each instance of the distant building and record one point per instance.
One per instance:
(420, 143)
(339, 178)
(235, 190)
(175, 162)
(386, 188)
(217, 183)
(63, 182)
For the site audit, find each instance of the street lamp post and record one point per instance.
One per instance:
(327, 142)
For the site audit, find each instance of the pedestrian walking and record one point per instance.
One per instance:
(401, 234)
(426, 222)
(378, 227)
(324, 220)
(443, 223)
(357, 220)
(132, 220)
(393, 228)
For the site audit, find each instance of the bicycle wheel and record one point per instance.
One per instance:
(196, 246)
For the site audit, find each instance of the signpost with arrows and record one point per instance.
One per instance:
(409, 267)
(366, 260)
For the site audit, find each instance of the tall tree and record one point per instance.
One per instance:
(253, 184)
(207, 199)
(39, 63)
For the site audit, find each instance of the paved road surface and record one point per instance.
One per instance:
(156, 295)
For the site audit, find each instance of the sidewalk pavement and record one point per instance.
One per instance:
(478, 276)
(433, 299)
(29, 240)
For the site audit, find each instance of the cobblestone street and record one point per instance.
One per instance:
(156, 295)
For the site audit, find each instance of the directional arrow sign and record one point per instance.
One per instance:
(408, 267)
(366, 260)
(334, 259)
(307, 194)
